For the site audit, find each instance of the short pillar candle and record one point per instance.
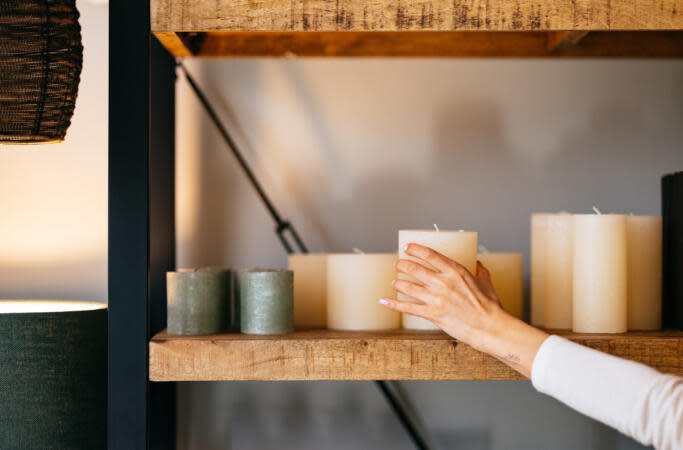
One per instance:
(600, 270)
(310, 290)
(460, 246)
(266, 301)
(506, 270)
(558, 271)
(198, 301)
(644, 242)
(355, 283)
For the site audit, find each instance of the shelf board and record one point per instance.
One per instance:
(535, 44)
(416, 15)
(390, 355)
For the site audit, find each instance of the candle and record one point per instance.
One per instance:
(266, 301)
(198, 301)
(506, 271)
(600, 268)
(355, 283)
(644, 244)
(539, 226)
(672, 217)
(310, 290)
(558, 271)
(460, 246)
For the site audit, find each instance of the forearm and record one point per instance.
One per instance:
(510, 340)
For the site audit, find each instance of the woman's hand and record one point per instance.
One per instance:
(464, 306)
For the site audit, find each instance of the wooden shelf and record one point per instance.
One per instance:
(392, 355)
(282, 28)
(221, 44)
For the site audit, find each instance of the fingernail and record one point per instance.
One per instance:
(405, 247)
(393, 282)
(383, 301)
(395, 262)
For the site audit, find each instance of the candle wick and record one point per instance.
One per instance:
(436, 227)
(358, 251)
(597, 211)
(483, 249)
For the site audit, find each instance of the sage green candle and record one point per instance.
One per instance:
(198, 301)
(266, 301)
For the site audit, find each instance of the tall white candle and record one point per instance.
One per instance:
(310, 290)
(539, 227)
(460, 246)
(558, 272)
(600, 268)
(355, 283)
(506, 271)
(644, 243)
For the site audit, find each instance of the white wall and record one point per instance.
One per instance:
(353, 150)
(53, 198)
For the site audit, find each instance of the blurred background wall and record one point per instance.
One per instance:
(353, 150)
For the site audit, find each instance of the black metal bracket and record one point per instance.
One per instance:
(282, 226)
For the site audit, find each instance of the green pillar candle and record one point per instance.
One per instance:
(266, 301)
(198, 301)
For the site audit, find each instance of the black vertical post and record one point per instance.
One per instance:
(135, 260)
(162, 229)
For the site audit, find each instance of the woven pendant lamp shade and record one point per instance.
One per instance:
(40, 66)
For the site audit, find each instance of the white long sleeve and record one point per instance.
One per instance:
(630, 397)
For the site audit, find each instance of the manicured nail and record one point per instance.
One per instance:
(383, 301)
(393, 282)
(405, 247)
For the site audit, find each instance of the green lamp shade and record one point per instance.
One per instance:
(53, 375)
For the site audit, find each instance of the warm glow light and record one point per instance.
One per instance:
(46, 306)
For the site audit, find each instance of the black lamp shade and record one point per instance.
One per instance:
(53, 379)
(40, 66)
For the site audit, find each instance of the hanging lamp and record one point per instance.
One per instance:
(41, 57)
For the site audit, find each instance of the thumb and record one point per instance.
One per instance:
(484, 281)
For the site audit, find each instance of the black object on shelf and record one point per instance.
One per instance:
(281, 227)
(672, 221)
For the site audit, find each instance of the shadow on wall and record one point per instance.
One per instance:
(353, 152)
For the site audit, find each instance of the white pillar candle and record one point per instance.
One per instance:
(600, 268)
(460, 246)
(506, 271)
(644, 243)
(355, 283)
(558, 271)
(310, 290)
(539, 226)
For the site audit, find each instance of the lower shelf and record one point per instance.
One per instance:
(388, 355)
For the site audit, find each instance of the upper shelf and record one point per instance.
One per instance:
(388, 355)
(285, 28)
(415, 15)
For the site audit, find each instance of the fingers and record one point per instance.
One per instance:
(415, 270)
(414, 309)
(428, 255)
(414, 290)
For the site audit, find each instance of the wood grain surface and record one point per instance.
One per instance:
(394, 355)
(402, 15)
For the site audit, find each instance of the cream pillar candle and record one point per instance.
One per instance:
(644, 244)
(558, 271)
(310, 290)
(355, 283)
(539, 227)
(600, 268)
(460, 246)
(506, 271)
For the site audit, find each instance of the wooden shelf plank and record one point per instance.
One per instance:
(222, 44)
(417, 15)
(392, 355)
